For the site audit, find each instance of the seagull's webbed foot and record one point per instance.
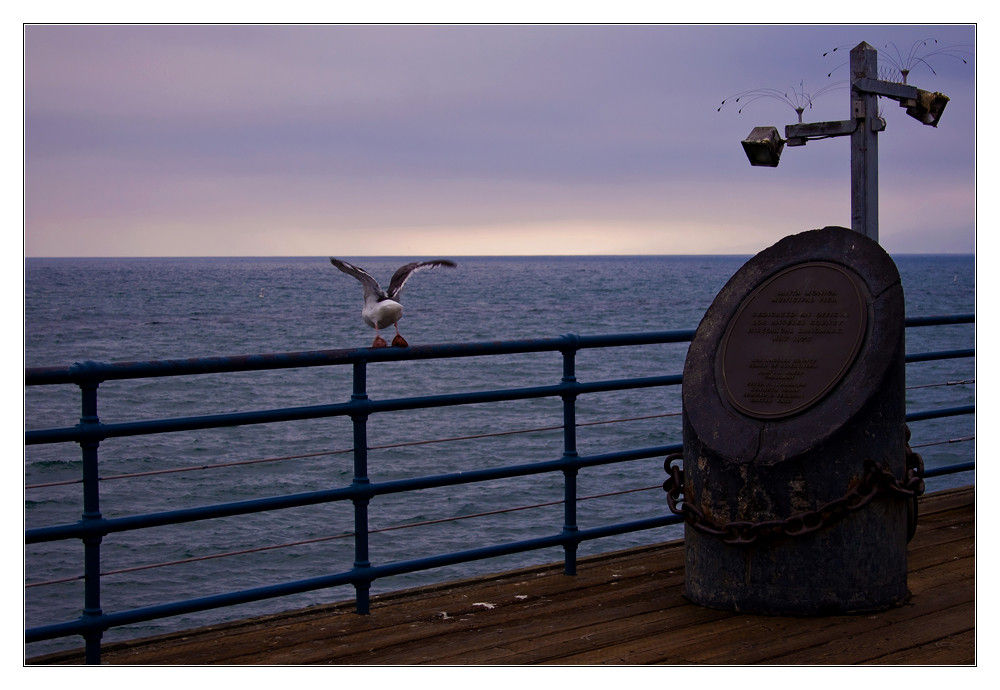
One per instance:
(380, 342)
(399, 341)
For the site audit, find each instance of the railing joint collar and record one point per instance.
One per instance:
(88, 373)
(360, 407)
(572, 342)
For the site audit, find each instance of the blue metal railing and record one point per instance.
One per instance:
(90, 432)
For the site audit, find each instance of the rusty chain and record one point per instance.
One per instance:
(875, 481)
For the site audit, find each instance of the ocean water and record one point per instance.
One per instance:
(144, 309)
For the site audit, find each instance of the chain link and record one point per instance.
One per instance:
(876, 480)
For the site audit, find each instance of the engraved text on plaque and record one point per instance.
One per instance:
(793, 339)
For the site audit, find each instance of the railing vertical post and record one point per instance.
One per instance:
(91, 515)
(570, 454)
(359, 396)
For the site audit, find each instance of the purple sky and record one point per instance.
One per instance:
(469, 140)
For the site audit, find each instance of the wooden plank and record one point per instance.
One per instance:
(939, 546)
(399, 620)
(951, 614)
(946, 500)
(598, 623)
(746, 639)
(951, 650)
(523, 623)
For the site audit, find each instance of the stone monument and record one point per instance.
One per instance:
(794, 486)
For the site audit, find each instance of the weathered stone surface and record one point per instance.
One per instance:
(769, 455)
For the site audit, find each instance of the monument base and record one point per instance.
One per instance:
(821, 563)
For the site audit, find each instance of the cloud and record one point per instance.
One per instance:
(214, 136)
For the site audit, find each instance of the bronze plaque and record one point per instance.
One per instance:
(793, 339)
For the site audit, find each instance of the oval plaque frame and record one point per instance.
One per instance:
(792, 339)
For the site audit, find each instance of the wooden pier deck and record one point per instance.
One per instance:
(621, 608)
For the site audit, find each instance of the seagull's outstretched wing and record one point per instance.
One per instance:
(403, 274)
(368, 283)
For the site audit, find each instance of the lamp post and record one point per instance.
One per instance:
(763, 145)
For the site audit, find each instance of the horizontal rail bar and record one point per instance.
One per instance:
(84, 372)
(334, 537)
(90, 372)
(403, 567)
(442, 480)
(944, 354)
(938, 320)
(950, 469)
(101, 431)
(105, 526)
(941, 412)
(110, 620)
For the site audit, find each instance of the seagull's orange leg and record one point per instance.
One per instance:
(399, 341)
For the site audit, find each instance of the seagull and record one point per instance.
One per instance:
(381, 308)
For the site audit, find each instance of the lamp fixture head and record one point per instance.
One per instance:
(763, 146)
(927, 107)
